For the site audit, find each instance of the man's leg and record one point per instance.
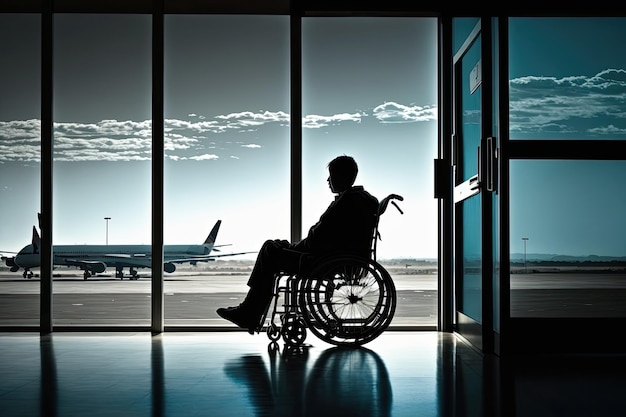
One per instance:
(275, 256)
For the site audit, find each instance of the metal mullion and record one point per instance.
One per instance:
(486, 196)
(45, 217)
(157, 299)
(296, 122)
(503, 184)
(445, 305)
(565, 149)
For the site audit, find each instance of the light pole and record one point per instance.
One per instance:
(107, 223)
(525, 239)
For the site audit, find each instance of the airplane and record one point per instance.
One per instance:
(94, 259)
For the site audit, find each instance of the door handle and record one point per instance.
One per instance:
(442, 178)
(488, 164)
(492, 165)
(474, 182)
(481, 168)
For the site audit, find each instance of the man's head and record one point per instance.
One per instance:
(343, 170)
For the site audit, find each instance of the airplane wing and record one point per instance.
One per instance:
(4, 255)
(145, 261)
(95, 266)
(215, 248)
(99, 263)
(206, 258)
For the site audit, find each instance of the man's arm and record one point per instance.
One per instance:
(322, 232)
(347, 224)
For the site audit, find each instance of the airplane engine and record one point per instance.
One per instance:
(97, 267)
(169, 267)
(10, 262)
(15, 268)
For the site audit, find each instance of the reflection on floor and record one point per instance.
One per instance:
(235, 374)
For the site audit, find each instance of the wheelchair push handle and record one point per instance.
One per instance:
(390, 199)
(396, 206)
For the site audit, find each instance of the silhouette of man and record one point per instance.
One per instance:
(347, 225)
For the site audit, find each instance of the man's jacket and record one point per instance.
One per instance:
(347, 225)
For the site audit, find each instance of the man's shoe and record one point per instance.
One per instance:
(239, 316)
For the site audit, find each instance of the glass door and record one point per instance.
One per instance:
(473, 179)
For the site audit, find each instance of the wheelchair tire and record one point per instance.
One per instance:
(348, 300)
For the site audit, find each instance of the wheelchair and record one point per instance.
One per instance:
(343, 299)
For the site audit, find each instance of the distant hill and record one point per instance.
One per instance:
(551, 257)
(408, 261)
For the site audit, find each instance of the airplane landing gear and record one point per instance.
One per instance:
(133, 274)
(119, 273)
(86, 274)
(27, 274)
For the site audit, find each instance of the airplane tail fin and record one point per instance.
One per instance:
(36, 241)
(210, 240)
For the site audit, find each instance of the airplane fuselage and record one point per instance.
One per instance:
(119, 256)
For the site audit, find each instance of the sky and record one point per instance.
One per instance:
(369, 90)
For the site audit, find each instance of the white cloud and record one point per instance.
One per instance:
(316, 121)
(205, 157)
(579, 105)
(391, 112)
(113, 140)
(608, 130)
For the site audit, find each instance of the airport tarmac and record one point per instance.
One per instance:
(71, 281)
(191, 297)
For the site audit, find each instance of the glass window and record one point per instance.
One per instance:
(568, 239)
(470, 293)
(370, 91)
(566, 78)
(227, 153)
(20, 156)
(470, 127)
(102, 168)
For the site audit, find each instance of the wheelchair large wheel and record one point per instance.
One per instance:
(348, 301)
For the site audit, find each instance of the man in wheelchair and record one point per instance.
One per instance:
(347, 225)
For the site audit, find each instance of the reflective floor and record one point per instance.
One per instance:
(235, 374)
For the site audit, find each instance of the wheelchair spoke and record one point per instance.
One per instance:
(348, 301)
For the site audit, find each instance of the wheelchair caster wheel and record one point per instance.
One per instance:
(293, 331)
(273, 332)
